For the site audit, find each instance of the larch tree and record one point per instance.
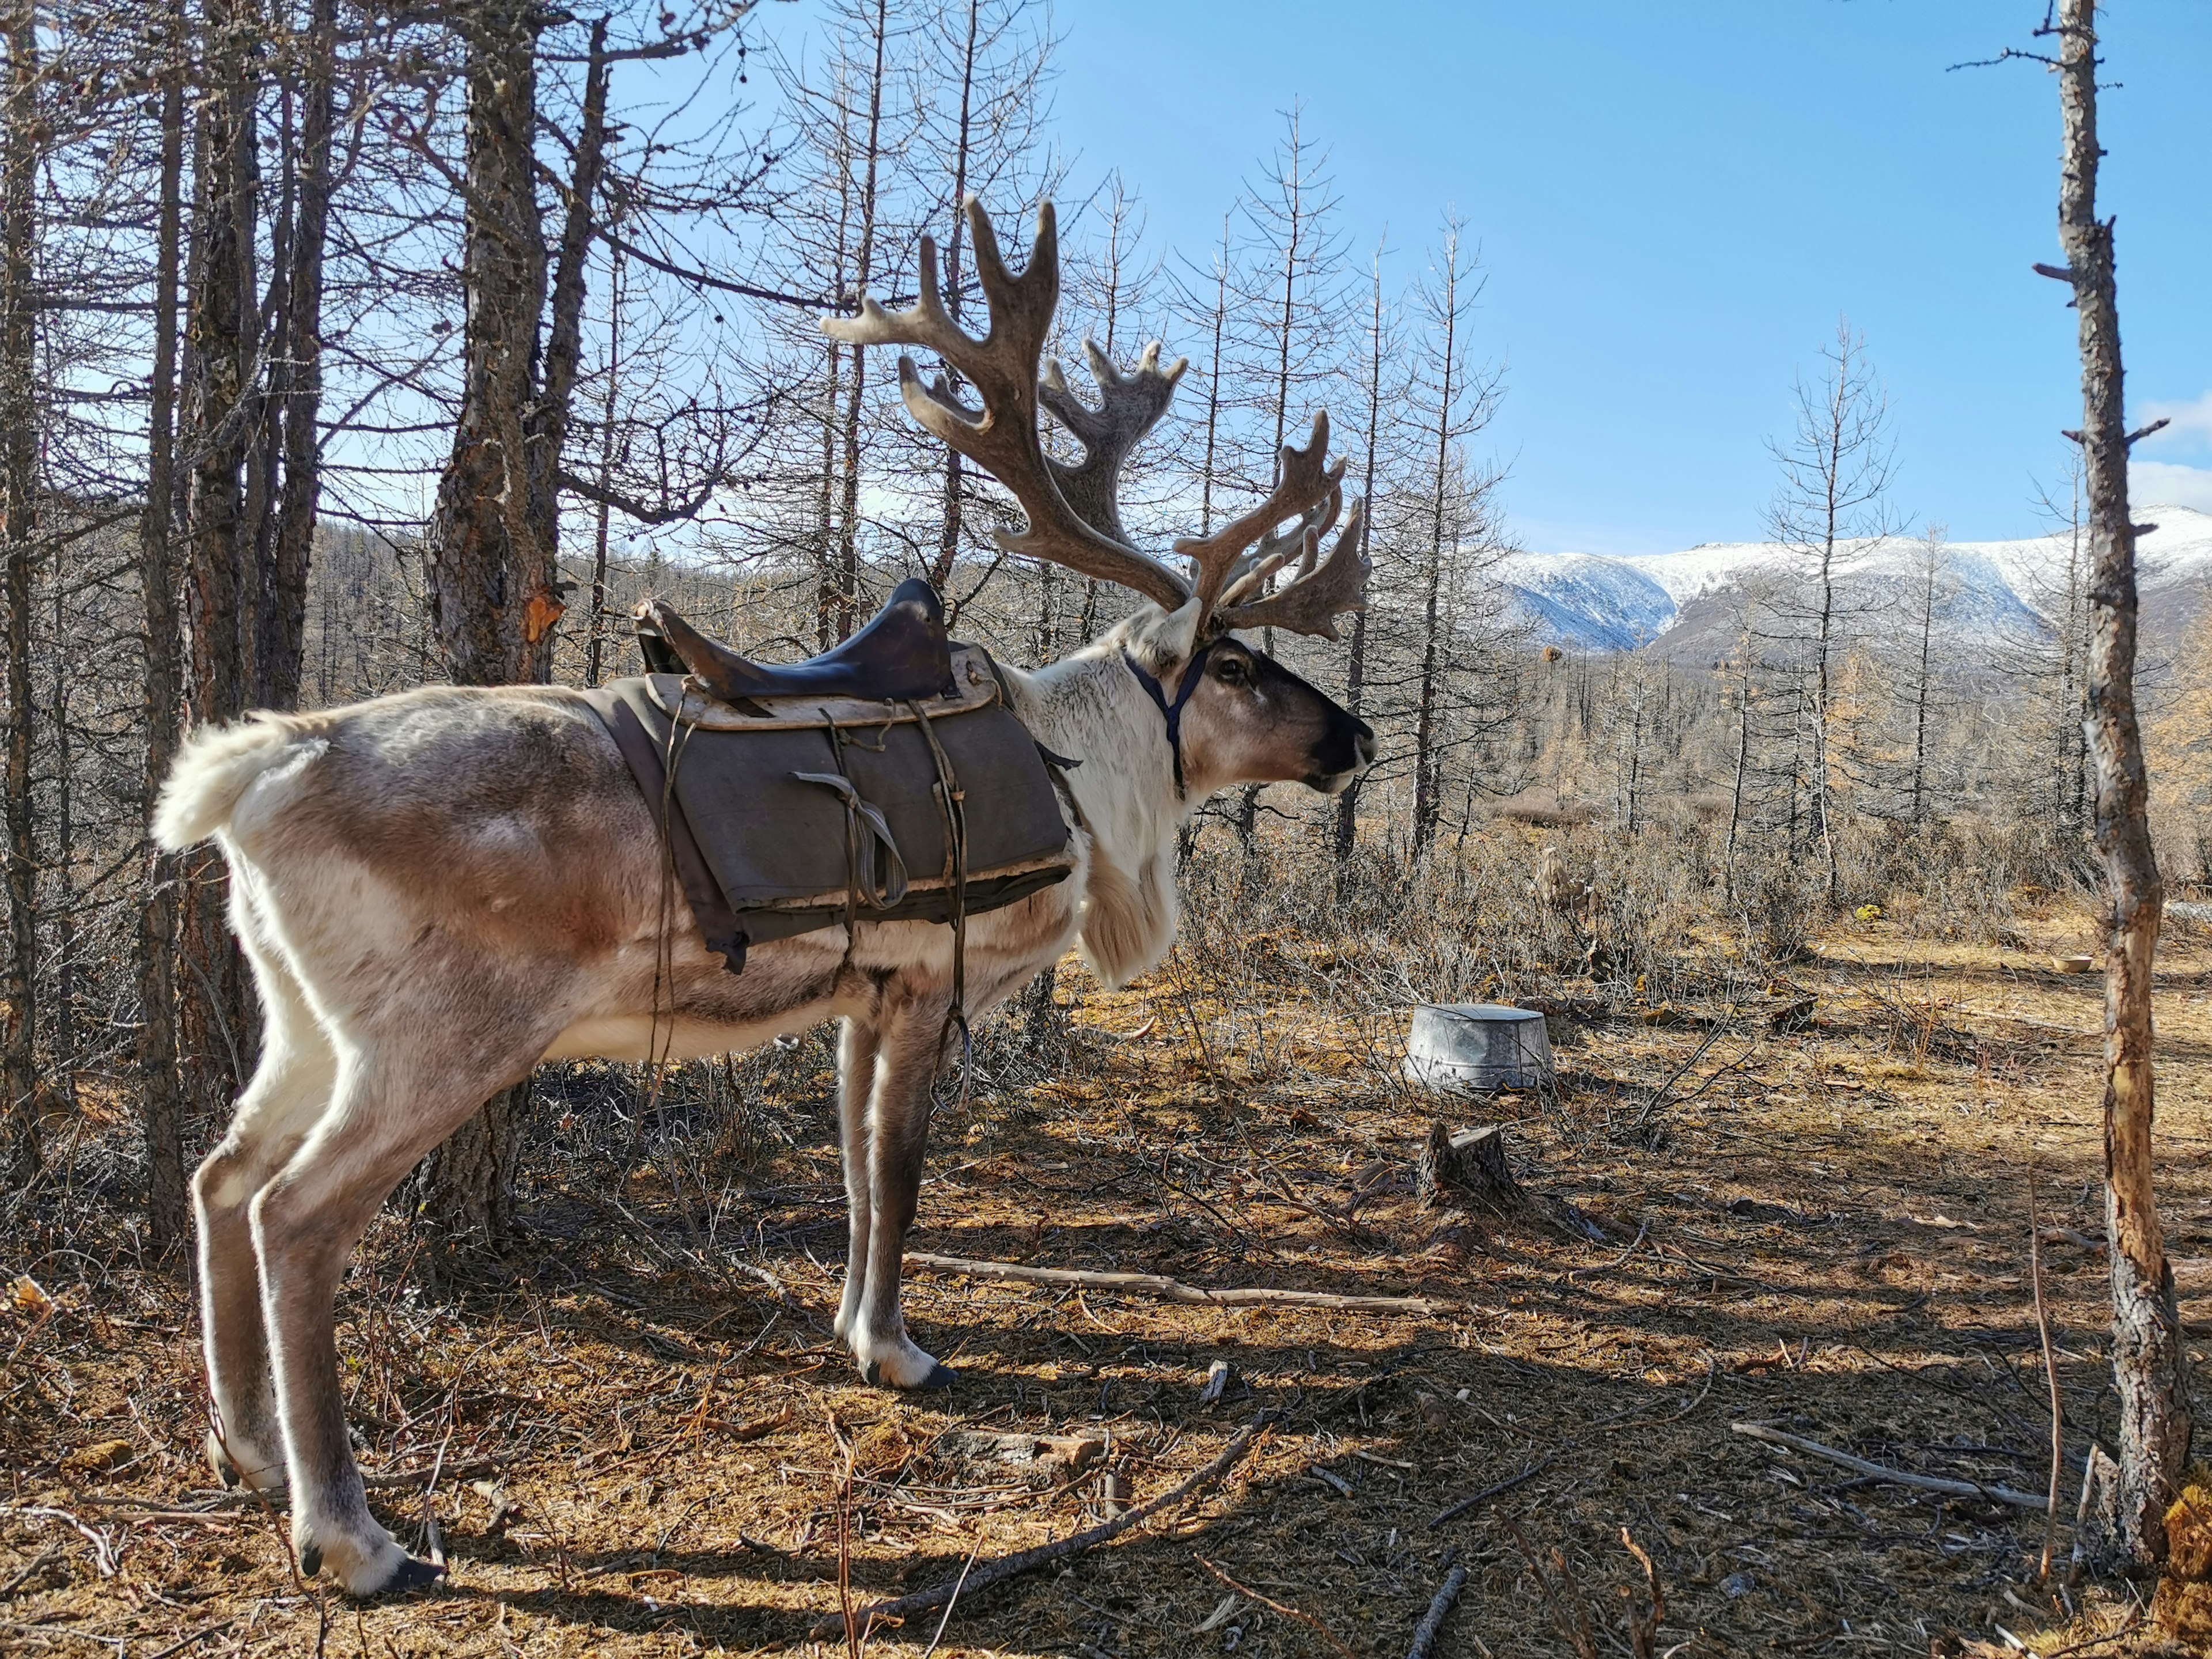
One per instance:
(21, 119)
(1453, 398)
(1831, 506)
(493, 542)
(2150, 1361)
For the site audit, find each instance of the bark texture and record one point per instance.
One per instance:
(495, 535)
(161, 1093)
(19, 520)
(2149, 1363)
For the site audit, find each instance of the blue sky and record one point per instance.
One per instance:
(1674, 205)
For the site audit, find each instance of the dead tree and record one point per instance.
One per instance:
(160, 1091)
(20, 119)
(1382, 346)
(2151, 1364)
(1835, 471)
(494, 533)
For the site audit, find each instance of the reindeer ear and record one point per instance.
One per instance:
(1164, 640)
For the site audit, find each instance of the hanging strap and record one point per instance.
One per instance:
(1173, 711)
(953, 802)
(877, 874)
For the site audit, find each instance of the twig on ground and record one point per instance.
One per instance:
(1634, 1244)
(1010, 1567)
(1644, 1633)
(2050, 1376)
(1576, 1628)
(1173, 1290)
(1489, 1492)
(103, 1547)
(20, 1578)
(1712, 1370)
(953, 1601)
(2025, 1500)
(1440, 1605)
(1286, 1611)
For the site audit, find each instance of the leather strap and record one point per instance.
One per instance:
(1172, 711)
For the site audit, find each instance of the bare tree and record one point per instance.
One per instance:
(1455, 399)
(1381, 347)
(160, 1091)
(21, 118)
(2150, 1363)
(1836, 469)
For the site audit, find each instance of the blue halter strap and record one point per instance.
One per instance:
(1172, 711)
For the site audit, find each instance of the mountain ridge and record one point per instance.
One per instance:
(1679, 604)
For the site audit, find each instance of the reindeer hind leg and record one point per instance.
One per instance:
(399, 1093)
(289, 1090)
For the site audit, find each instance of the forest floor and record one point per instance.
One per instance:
(644, 1442)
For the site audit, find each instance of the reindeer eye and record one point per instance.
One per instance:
(1233, 671)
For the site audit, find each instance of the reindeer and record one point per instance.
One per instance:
(439, 888)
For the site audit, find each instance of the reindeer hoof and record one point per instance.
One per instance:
(225, 1469)
(941, 1376)
(413, 1575)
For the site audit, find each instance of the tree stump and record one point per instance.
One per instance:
(1473, 1164)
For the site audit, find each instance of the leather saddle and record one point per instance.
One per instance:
(903, 653)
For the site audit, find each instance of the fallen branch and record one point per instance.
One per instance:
(1284, 1609)
(1489, 1492)
(1440, 1605)
(2025, 1500)
(1012, 1567)
(1174, 1290)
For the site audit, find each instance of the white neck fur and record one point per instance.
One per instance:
(1090, 707)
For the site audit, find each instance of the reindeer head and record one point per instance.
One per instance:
(1234, 715)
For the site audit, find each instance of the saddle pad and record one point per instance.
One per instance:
(774, 844)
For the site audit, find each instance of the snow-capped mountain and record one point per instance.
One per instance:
(1685, 605)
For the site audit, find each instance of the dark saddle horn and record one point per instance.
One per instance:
(902, 652)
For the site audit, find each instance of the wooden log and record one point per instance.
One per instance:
(1174, 1290)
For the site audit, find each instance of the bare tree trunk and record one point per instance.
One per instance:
(1921, 691)
(19, 479)
(1355, 683)
(1426, 801)
(846, 597)
(160, 1094)
(481, 554)
(948, 539)
(2150, 1365)
(1742, 766)
(595, 653)
(478, 546)
(221, 584)
(496, 539)
(297, 415)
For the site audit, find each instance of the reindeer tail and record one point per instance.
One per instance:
(214, 770)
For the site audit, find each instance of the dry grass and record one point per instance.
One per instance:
(641, 1443)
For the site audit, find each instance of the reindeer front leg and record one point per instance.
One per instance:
(856, 1084)
(908, 1033)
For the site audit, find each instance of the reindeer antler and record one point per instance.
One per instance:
(1073, 512)
(1129, 406)
(1305, 486)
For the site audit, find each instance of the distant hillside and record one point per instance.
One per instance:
(1683, 604)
